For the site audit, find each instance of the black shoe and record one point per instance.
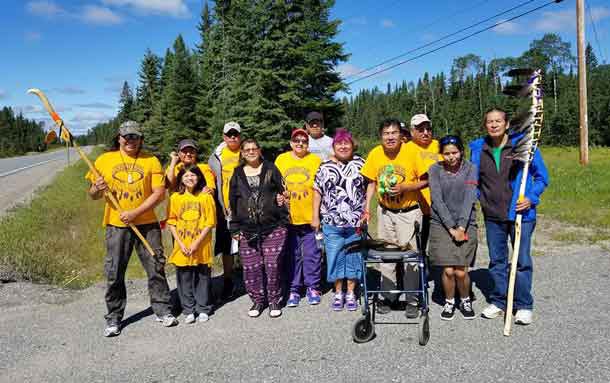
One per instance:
(466, 309)
(411, 311)
(227, 289)
(383, 308)
(275, 310)
(256, 310)
(448, 311)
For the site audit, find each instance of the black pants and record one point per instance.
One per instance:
(194, 285)
(120, 242)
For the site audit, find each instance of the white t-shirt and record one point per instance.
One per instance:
(321, 147)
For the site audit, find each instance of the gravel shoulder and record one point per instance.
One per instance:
(54, 335)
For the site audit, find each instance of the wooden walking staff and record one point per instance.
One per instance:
(65, 134)
(523, 151)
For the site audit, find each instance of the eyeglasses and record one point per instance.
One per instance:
(301, 141)
(450, 140)
(131, 137)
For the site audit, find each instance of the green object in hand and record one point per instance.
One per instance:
(387, 180)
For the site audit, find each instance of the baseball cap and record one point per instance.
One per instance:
(298, 132)
(187, 143)
(231, 125)
(418, 119)
(130, 127)
(314, 116)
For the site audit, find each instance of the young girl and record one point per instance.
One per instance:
(453, 231)
(191, 217)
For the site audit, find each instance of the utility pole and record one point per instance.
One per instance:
(582, 83)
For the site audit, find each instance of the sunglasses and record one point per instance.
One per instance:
(232, 134)
(301, 141)
(131, 137)
(449, 140)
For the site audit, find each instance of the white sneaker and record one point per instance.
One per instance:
(189, 319)
(112, 330)
(524, 317)
(167, 320)
(492, 311)
(203, 317)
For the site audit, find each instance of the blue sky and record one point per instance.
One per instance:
(80, 52)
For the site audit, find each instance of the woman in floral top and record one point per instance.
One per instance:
(338, 207)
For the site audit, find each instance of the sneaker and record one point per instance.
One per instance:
(227, 289)
(167, 320)
(524, 317)
(313, 296)
(255, 311)
(293, 300)
(448, 311)
(203, 317)
(466, 309)
(189, 319)
(337, 303)
(274, 310)
(492, 311)
(411, 310)
(351, 303)
(112, 329)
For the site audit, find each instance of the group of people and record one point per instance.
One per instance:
(281, 216)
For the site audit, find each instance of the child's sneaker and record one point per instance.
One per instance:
(293, 300)
(337, 303)
(167, 320)
(189, 319)
(351, 303)
(448, 311)
(466, 309)
(203, 317)
(313, 296)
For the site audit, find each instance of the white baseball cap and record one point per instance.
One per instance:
(419, 119)
(231, 125)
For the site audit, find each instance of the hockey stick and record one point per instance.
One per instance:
(523, 151)
(67, 136)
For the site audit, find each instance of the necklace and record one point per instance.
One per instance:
(129, 176)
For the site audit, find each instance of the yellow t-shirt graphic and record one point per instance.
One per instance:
(299, 175)
(131, 180)
(229, 161)
(190, 214)
(378, 165)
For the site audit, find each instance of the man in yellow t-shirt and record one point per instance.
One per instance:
(298, 168)
(136, 179)
(393, 178)
(223, 161)
(187, 155)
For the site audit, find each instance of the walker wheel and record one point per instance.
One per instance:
(363, 330)
(424, 329)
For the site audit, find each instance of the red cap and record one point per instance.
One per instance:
(297, 132)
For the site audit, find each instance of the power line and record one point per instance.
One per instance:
(599, 47)
(453, 42)
(442, 38)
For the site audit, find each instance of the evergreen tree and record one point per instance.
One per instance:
(590, 57)
(149, 88)
(126, 104)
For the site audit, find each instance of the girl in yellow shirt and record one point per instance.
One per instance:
(191, 218)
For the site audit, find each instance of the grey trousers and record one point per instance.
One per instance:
(194, 285)
(120, 242)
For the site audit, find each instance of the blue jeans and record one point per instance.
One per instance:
(498, 233)
(341, 264)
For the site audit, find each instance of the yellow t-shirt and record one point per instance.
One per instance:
(402, 166)
(229, 161)
(299, 175)
(131, 180)
(425, 158)
(208, 174)
(190, 214)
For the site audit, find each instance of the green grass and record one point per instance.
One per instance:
(578, 194)
(59, 238)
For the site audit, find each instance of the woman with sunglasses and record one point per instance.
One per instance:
(453, 230)
(260, 223)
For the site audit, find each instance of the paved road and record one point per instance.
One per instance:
(21, 176)
(52, 335)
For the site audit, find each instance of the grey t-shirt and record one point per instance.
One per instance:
(321, 147)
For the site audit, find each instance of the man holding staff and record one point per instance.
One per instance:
(136, 179)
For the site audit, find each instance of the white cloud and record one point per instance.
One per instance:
(346, 70)
(387, 23)
(91, 116)
(32, 36)
(175, 8)
(599, 13)
(45, 8)
(95, 105)
(3, 94)
(508, 28)
(556, 21)
(94, 14)
(69, 90)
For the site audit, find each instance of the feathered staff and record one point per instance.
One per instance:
(530, 126)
